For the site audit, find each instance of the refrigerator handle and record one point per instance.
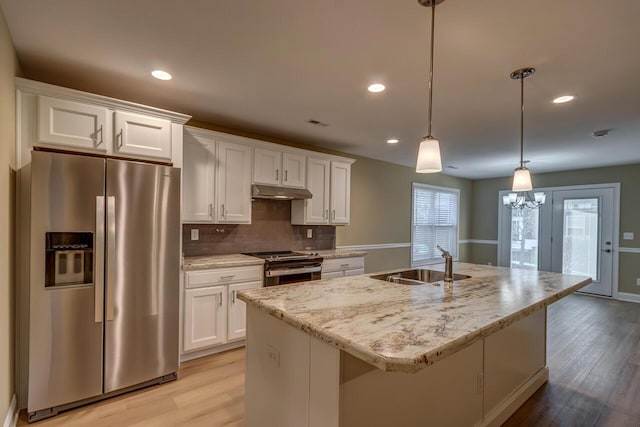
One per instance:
(111, 255)
(98, 260)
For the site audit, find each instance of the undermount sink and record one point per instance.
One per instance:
(417, 276)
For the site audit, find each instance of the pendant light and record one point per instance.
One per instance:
(429, 160)
(522, 177)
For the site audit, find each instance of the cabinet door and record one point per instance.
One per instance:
(234, 183)
(354, 272)
(332, 274)
(317, 207)
(204, 317)
(73, 124)
(267, 167)
(144, 136)
(198, 177)
(340, 192)
(293, 170)
(237, 318)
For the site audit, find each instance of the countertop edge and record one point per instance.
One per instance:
(426, 359)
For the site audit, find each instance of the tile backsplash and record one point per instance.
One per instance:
(270, 230)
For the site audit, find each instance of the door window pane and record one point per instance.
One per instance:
(524, 238)
(580, 245)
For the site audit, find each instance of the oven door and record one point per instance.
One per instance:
(281, 276)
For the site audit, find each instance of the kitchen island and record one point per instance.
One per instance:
(358, 351)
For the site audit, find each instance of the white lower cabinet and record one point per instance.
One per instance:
(340, 267)
(205, 315)
(213, 314)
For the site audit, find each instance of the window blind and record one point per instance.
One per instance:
(434, 222)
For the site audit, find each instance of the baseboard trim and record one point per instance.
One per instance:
(510, 405)
(371, 247)
(11, 419)
(185, 357)
(625, 296)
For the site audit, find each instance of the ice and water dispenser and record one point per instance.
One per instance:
(69, 259)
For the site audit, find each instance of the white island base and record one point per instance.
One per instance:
(296, 380)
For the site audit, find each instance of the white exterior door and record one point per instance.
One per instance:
(139, 135)
(204, 317)
(317, 207)
(237, 319)
(234, 183)
(340, 192)
(267, 167)
(73, 124)
(582, 241)
(293, 170)
(198, 179)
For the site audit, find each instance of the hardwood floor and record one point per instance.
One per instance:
(593, 356)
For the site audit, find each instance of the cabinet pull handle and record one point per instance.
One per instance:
(220, 300)
(325, 214)
(120, 139)
(210, 209)
(334, 214)
(98, 143)
(285, 175)
(227, 277)
(344, 265)
(233, 297)
(223, 212)
(277, 171)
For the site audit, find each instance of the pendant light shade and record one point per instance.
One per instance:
(522, 180)
(429, 160)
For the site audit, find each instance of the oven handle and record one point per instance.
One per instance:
(289, 271)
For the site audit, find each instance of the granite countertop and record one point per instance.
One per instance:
(336, 253)
(219, 261)
(406, 328)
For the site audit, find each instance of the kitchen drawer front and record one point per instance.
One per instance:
(197, 279)
(338, 264)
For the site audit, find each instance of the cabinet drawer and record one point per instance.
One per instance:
(342, 264)
(196, 279)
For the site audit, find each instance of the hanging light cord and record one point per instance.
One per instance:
(522, 121)
(433, 25)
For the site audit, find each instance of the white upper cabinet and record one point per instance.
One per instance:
(233, 178)
(73, 124)
(61, 118)
(144, 136)
(279, 168)
(316, 209)
(330, 184)
(340, 193)
(267, 166)
(198, 177)
(294, 170)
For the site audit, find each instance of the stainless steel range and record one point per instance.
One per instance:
(282, 267)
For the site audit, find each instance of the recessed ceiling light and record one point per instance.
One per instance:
(563, 99)
(376, 87)
(161, 75)
(392, 141)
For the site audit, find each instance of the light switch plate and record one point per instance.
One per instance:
(628, 235)
(195, 234)
(309, 233)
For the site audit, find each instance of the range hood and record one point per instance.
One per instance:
(259, 191)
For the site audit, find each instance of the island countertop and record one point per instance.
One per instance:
(406, 328)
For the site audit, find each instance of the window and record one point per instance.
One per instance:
(434, 221)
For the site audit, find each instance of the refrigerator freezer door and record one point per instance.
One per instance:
(65, 321)
(143, 261)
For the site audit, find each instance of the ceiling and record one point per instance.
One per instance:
(269, 66)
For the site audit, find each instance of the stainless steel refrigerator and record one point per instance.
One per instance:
(104, 278)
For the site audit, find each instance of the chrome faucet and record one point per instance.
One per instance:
(448, 266)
